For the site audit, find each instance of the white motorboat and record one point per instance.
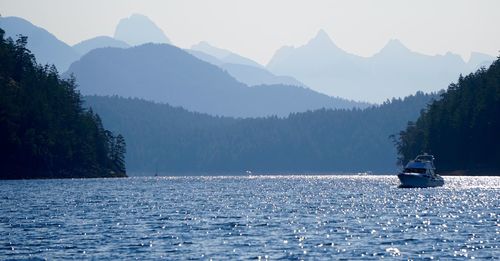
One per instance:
(420, 173)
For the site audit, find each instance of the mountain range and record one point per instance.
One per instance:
(248, 73)
(185, 110)
(167, 74)
(48, 49)
(395, 71)
(135, 30)
(319, 65)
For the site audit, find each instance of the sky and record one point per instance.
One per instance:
(257, 28)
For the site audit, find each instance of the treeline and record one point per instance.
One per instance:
(172, 140)
(44, 131)
(462, 129)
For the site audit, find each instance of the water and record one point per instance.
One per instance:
(262, 217)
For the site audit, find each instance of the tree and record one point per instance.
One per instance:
(461, 128)
(44, 131)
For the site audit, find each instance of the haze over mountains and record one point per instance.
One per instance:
(223, 55)
(164, 73)
(139, 29)
(171, 99)
(167, 74)
(98, 42)
(395, 71)
(46, 47)
(135, 30)
(245, 72)
(243, 69)
(320, 65)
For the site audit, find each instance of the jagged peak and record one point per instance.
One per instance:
(138, 29)
(321, 34)
(322, 38)
(395, 44)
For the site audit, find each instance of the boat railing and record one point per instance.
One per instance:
(426, 158)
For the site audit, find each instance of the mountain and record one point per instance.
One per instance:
(205, 57)
(478, 60)
(312, 63)
(139, 29)
(224, 56)
(98, 42)
(461, 129)
(166, 139)
(251, 76)
(395, 71)
(167, 74)
(247, 74)
(45, 46)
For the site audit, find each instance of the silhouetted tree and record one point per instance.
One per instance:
(44, 131)
(463, 127)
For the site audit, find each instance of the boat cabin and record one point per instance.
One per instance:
(421, 164)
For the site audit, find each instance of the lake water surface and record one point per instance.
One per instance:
(258, 217)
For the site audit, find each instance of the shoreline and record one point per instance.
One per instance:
(471, 173)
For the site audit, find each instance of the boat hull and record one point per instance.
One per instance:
(413, 180)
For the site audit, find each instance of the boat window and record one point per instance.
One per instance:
(415, 170)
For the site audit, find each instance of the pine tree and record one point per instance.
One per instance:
(44, 131)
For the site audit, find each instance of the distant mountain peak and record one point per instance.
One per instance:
(322, 34)
(321, 38)
(138, 29)
(394, 46)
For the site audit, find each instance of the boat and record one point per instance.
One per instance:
(366, 173)
(420, 173)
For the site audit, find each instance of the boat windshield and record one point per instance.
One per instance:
(415, 170)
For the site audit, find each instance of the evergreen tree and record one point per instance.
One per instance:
(44, 131)
(168, 139)
(119, 150)
(462, 128)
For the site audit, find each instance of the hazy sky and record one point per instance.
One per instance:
(257, 28)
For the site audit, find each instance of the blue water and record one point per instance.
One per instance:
(261, 217)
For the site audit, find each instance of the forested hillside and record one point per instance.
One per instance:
(173, 140)
(462, 129)
(44, 131)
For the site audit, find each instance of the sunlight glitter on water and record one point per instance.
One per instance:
(287, 217)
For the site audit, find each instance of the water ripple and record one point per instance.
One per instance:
(254, 217)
